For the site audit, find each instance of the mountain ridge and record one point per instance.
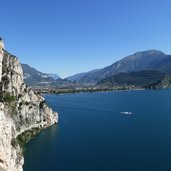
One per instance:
(144, 60)
(154, 60)
(34, 77)
(141, 79)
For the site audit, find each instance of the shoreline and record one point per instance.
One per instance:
(102, 91)
(49, 90)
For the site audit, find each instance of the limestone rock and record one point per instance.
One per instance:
(20, 110)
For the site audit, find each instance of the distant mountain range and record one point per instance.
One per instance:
(147, 60)
(80, 76)
(140, 69)
(33, 77)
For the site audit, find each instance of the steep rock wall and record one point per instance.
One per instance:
(20, 110)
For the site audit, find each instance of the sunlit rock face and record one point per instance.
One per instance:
(1, 56)
(11, 159)
(1, 43)
(20, 110)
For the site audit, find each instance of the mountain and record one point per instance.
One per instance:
(34, 77)
(146, 60)
(165, 65)
(78, 77)
(140, 79)
(54, 76)
(151, 60)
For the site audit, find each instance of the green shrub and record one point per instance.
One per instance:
(13, 107)
(19, 108)
(5, 81)
(14, 142)
(8, 98)
(26, 136)
(42, 104)
(20, 95)
(27, 103)
(24, 103)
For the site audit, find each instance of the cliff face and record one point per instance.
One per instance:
(20, 110)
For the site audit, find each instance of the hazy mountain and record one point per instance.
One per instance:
(165, 65)
(78, 77)
(54, 76)
(150, 62)
(147, 60)
(34, 77)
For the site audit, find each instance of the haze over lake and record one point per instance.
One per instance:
(93, 134)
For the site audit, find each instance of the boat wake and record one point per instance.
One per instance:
(127, 113)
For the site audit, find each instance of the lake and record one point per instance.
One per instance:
(93, 134)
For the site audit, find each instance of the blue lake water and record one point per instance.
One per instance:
(92, 134)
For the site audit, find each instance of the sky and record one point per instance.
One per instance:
(72, 36)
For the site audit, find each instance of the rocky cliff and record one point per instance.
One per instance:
(21, 110)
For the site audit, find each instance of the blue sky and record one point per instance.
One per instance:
(72, 36)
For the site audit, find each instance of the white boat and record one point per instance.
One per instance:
(127, 113)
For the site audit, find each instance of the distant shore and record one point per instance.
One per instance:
(83, 90)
